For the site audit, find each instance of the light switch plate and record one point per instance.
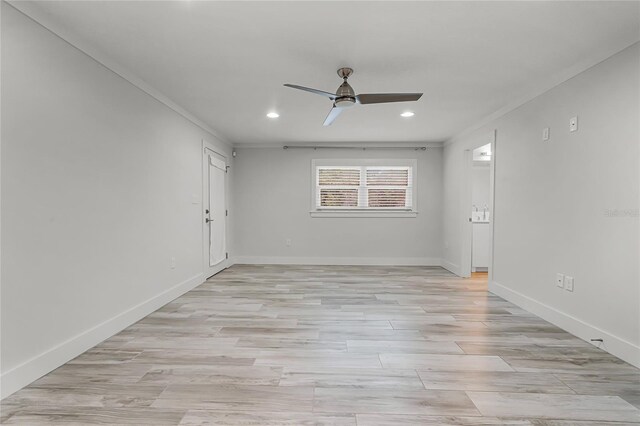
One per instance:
(560, 280)
(573, 124)
(545, 134)
(568, 283)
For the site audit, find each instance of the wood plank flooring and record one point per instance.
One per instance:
(336, 345)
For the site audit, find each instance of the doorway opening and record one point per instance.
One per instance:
(478, 214)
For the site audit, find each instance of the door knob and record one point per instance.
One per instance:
(207, 220)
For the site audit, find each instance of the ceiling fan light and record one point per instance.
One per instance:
(345, 102)
(407, 114)
(273, 115)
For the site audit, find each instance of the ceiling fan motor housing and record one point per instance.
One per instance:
(345, 96)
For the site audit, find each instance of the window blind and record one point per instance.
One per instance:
(364, 187)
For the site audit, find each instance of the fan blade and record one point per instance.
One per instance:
(331, 96)
(333, 114)
(381, 98)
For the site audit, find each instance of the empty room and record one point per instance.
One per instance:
(348, 213)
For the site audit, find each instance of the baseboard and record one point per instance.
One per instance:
(36, 367)
(380, 261)
(616, 346)
(451, 267)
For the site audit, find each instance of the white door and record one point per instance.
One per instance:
(215, 211)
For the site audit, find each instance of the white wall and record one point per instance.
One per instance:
(273, 200)
(552, 200)
(480, 185)
(98, 181)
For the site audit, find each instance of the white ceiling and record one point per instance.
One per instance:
(225, 62)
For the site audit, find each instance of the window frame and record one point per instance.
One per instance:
(364, 211)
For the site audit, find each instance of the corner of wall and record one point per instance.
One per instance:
(20, 376)
(450, 266)
(621, 348)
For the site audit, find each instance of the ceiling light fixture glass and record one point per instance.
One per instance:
(408, 114)
(273, 115)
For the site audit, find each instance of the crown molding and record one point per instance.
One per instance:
(33, 12)
(539, 90)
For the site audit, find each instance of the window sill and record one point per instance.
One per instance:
(362, 213)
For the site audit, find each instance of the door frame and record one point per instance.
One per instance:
(209, 271)
(467, 205)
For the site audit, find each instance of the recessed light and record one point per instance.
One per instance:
(408, 114)
(273, 115)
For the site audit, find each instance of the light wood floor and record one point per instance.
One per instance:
(336, 345)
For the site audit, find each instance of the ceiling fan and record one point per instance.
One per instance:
(345, 97)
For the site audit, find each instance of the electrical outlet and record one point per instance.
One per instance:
(172, 263)
(568, 283)
(560, 280)
(545, 134)
(287, 242)
(573, 124)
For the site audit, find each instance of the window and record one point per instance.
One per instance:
(363, 187)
